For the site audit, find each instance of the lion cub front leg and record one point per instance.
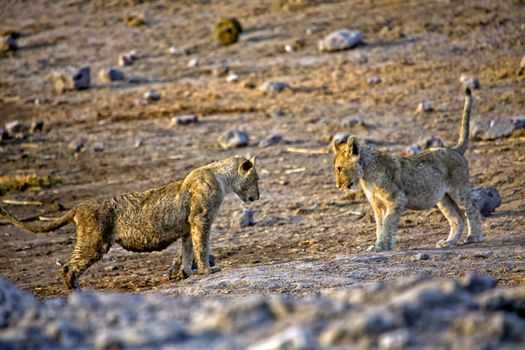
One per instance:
(386, 232)
(200, 237)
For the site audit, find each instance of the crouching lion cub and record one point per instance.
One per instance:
(152, 220)
(437, 176)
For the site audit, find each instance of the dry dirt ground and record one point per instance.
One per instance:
(308, 235)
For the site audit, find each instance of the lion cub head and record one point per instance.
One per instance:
(347, 162)
(246, 183)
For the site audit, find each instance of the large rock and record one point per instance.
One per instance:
(71, 79)
(495, 128)
(109, 75)
(340, 40)
(233, 139)
(487, 199)
(8, 44)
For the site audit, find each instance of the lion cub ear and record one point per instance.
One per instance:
(246, 166)
(353, 146)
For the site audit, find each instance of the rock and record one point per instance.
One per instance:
(292, 338)
(77, 145)
(98, 147)
(8, 44)
(134, 55)
(271, 141)
(13, 128)
(4, 135)
(239, 315)
(233, 77)
(421, 256)
(108, 75)
(233, 139)
(184, 119)
(476, 284)
(220, 70)
(177, 51)
(424, 107)
(374, 80)
(340, 137)
(487, 199)
(134, 21)
(15, 305)
(242, 219)
(152, 95)
(496, 128)
(125, 60)
(71, 79)
(472, 83)
(227, 32)
(36, 126)
(426, 143)
(340, 40)
(274, 86)
(509, 300)
(395, 340)
(194, 62)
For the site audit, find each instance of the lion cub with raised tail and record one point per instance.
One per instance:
(437, 176)
(152, 220)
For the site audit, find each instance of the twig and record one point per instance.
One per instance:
(307, 151)
(17, 202)
(292, 171)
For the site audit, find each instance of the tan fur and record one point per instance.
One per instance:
(438, 176)
(152, 220)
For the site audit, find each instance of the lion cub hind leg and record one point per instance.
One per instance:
(90, 247)
(181, 266)
(462, 199)
(455, 218)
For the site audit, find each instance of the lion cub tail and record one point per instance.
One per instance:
(461, 147)
(53, 225)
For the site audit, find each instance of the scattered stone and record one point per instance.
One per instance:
(4, 135)
(292, 338)
(152, 95)
(274, 86)
(374, 80)
(177, 51)
(127, 59)
(139, 143)
(71, 79)
(13, 128)
(233, 77)
(220, 70)
(271, 141)
(289, 48)
(111, 268)
(184, 119)
(36, 126)
(194, 62)
(340, 40)
(227, 32)
(8, 44)
(487, 199)
(242, 219)
(476, 284)
(426, 143)
(424, 107)
(279, 113)
(467, 81)
(98, 147)
(77, 145)
(497, 127)
(234, 139)
(340, 137)
(421, 256)
(395, 340)
(108, 75)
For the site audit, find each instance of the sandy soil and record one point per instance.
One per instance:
(307, 236)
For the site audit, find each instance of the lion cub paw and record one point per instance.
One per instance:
(209, 270)
(473, 239)
(445, 244)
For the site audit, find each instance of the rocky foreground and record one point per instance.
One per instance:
(416, 312)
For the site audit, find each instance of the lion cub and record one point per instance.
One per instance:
(437, 176)
(152, 220)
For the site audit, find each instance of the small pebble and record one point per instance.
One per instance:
(424, 107)
(184, 119)
(274, 86)
(194, 62)
(374, 80)
(232, 78)
(152, 95)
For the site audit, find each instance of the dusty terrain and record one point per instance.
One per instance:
(308, 236)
